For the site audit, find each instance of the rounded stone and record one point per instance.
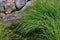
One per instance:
(20, 3)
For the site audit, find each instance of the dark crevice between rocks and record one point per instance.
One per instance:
(17, 9)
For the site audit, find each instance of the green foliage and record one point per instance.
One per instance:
(3, 31)
(40, 22)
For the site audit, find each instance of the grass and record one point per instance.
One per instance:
(40, 22)
(3, 31)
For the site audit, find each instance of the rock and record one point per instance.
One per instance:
(11, 5)
(20, 3)
(1, 8)
(2, 16)
(10, 17)
(2, 3)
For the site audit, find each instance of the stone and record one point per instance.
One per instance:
(20, 3)
(7, 6)
(11, 5)
(2, 3)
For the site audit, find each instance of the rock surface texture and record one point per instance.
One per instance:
(7, 6)
(10, 9)
(11, 5)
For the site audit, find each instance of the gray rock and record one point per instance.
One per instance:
(20, 3)
(10, 5)
(11, 17)
(17, 3)
(1, 8)
(2, 3)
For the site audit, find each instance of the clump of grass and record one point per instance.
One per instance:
(3, 31)
(41, 20)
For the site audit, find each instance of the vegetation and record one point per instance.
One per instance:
(39, 22)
